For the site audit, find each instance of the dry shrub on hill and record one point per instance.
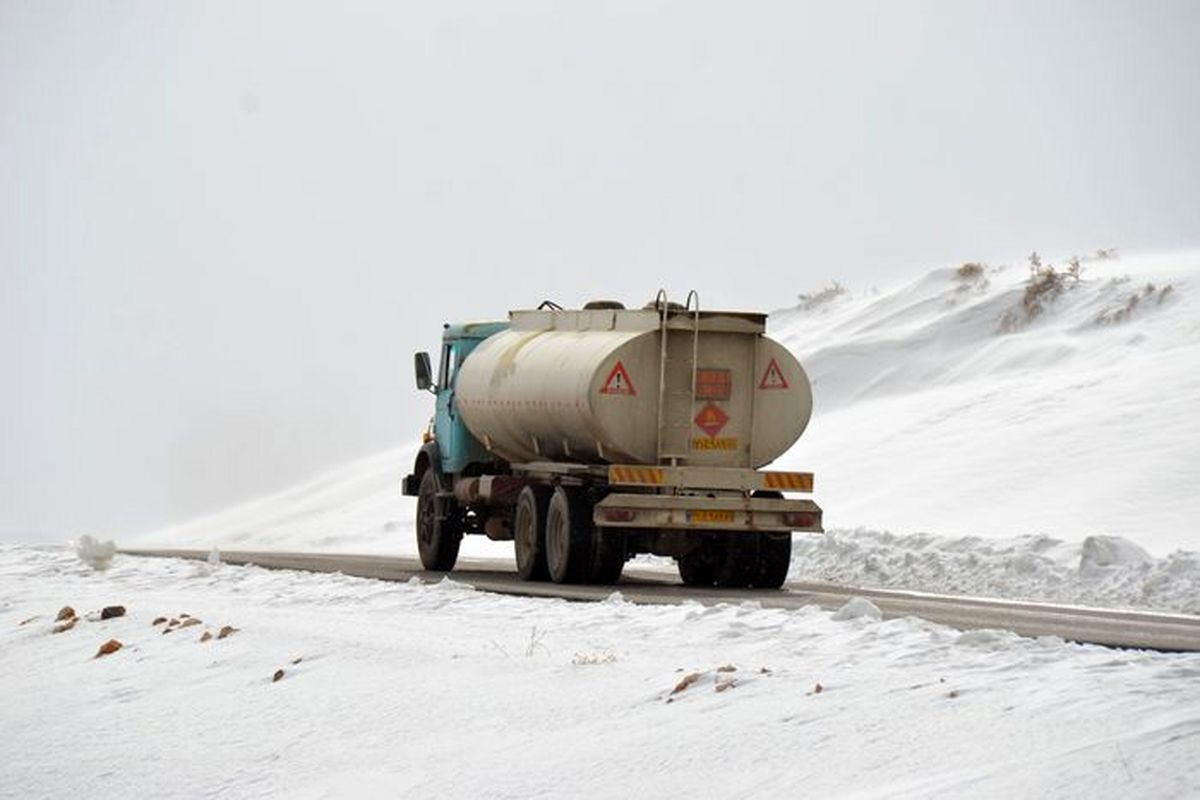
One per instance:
(1044, 286)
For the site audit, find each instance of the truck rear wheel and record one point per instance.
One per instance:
(695, 569)
(529, 533)
(609, 559)
(439, 526)
(737, 560)
(569, 535)
(774, 553)
(774, 558)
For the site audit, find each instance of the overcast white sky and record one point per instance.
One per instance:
(226, 226)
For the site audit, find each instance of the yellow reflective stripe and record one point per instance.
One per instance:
(797, 481)
(645, 475)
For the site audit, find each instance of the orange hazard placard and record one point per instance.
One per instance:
(618, 382)
(773, 377)
(711, 419)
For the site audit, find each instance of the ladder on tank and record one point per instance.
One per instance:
(683, 425)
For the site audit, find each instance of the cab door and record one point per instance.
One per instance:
(448, 425)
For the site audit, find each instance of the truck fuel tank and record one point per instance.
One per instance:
(598, 386)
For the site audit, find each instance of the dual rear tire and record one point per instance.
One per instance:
(556, 539)
(739, 560)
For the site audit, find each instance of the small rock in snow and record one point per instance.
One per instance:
(159, 620)
(65, 613)
(108, 648)
(205, 636)
(226, 630)
(65, 625)
(26, 621)
(818, 689)
(108, 612)
(727, 683)
(858, 608)
(686, 681)
(727, 668)
(189, 622)
(277, 677)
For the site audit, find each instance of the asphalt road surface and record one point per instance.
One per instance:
(1114, 628)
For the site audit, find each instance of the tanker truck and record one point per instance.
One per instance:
(587, 436)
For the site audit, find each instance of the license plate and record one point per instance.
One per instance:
(710, 516)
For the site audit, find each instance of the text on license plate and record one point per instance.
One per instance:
(710, 516)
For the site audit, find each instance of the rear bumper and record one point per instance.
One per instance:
(724, 514)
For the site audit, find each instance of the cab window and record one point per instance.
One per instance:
(447, 370)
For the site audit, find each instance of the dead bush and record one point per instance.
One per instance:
(1124, 310)
(1044, 286)
(825, 296)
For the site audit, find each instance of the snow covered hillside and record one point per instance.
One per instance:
(968, 437)
(968, 403)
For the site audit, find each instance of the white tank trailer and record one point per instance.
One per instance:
(604, 432)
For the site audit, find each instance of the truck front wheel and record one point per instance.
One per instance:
(439, 526)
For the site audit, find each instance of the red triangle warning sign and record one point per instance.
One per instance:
(618, 382)
(773, 377)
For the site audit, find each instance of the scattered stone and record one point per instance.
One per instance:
(159, 620)
(278, 676)
(296, 661)
(189, 622)
(65, 613)
(184, 616)
(818, 689)
(953, 694)
(764, 671)
(65, 625)
(26, 621)
(687, 681)
(206, 636)
(727, 668)
(108, 612)
(108, 648)
(226, 630)
(722, 685)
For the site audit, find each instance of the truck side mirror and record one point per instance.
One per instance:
(424, 371)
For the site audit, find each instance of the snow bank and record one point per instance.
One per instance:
(94, 553)
(1100, 571)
